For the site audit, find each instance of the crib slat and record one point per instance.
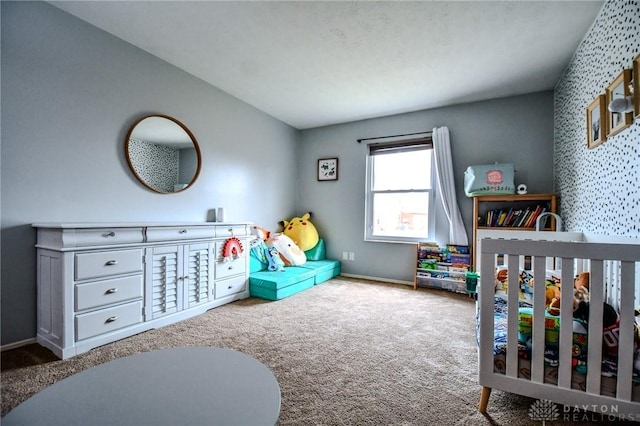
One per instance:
(512, 315)
(594, 339)
(566, 324)
(625, 339)
(487, 307)
(538, 332)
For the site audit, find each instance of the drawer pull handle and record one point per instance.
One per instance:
(111, 319)
(110, 234)
(230, 268)
(111, 263)
(183, 231)
(111, 291)
(230, 287)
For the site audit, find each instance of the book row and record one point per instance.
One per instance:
(513, 217)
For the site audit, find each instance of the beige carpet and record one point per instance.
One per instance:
(346, 352)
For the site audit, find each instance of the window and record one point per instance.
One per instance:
(400, 191)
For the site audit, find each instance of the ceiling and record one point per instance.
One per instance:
(312, 63)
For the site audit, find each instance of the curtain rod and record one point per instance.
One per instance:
(395, 136)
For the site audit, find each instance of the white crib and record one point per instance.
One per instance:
(614, 269)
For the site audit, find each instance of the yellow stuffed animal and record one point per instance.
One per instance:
(301, 231)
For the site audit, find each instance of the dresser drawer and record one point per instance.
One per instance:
(230, 268)
(107, 263)
(109, 319)
(101, 236)
(226, 231)
(106, 292)
(172, 233)
(231, 286)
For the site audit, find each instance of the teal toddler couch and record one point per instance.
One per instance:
(276, 285)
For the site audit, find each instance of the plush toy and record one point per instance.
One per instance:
(580, 295)
(609, 314)
(288, 250)
(261, 233)
(581, 286)
(301, 231)
(552, 291)
(274, 260)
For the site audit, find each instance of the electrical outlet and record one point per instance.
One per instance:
(345, 255)
(352, 256)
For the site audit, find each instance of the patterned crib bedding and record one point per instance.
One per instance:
(552, 329)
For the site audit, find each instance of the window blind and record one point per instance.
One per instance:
(407, 145)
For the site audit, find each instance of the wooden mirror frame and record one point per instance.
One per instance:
(142, 179)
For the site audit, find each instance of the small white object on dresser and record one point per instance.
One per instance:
(101, 282)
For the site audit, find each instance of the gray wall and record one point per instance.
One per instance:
(599, 187)
(70, 92)
(517, 129)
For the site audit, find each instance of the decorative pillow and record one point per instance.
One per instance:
(289, 251)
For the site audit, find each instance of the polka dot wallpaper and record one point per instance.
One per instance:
(599, 188)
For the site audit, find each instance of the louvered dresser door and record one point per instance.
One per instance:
(198, 279)
(164, 265)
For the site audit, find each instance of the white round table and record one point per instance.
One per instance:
(179, 386)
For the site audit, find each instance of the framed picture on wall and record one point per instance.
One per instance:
(619, 88)
(636, 86)
(328, 169)
(596, 121)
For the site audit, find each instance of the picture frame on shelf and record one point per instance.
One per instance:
(327, 169)
(636, 86)
(619, 88)
(597, 121)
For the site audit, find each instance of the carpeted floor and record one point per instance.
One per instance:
(346, 352)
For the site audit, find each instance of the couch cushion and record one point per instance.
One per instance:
(324, 269)
(318, 252)
(280, 279)
(276, 285)
(280, 293)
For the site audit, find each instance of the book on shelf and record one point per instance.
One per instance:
(514, 218)
(532, 217)
(523, 218)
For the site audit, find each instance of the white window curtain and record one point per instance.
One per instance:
(447, 187)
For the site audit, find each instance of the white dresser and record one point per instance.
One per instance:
(100, 282)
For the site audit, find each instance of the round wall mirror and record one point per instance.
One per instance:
(163, 154)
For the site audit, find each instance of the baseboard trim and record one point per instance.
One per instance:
(386, 280)
(16, 345)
